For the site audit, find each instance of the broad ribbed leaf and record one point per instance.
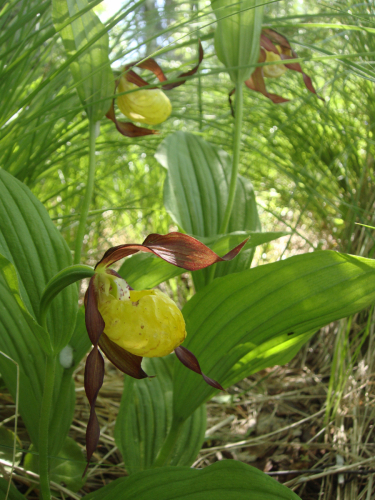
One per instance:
(144, 271)
(247, 321)
(18, 340)
(30, 241)
(237, 36)
(196, 194)
(228, 479)
(145, 417)
(86, 38)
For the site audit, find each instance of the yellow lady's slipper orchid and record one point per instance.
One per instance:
(127, 324)
(149, 106)
(275, 47)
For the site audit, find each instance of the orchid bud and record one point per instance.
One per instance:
(149, 106)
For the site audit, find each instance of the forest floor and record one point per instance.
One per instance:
(273, 420)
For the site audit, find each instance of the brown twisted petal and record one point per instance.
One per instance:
(128, 129)
(188, 359)
(178, 249)
(94, 369)
(94, 375)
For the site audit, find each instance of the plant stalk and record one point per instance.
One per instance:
(236, 160)
(165, 454)
(236, 156)
(44, 426)
(88, 194)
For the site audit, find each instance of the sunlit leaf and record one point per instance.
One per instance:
(245, 322)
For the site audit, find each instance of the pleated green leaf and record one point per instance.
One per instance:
(143, 270)
(145, 417)
(237, 36)
(196, 194)
(228, 479)
(86, 43)
(19, 334)
(244, 322)
(31, 242)
(196, 188)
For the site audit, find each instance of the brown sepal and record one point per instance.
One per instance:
(128, 129)
(125, 361)
(178, 249)
(188, 359)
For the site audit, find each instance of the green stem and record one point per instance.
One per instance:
(44, 426)
(236, 160)
(166, 451)
(236, 157)
(88, 194)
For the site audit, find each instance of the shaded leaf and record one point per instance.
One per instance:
(145, 417)
(31, 242)
(66, 468)
(14, 494)
(227, 479)
(6, 447)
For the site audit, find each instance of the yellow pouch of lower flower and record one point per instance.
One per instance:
(148, 324)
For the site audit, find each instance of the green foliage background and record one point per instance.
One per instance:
(310, 162)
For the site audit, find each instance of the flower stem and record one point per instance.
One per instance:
(44, 426)
(236, 157)
(165, 454)
(88, 193)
